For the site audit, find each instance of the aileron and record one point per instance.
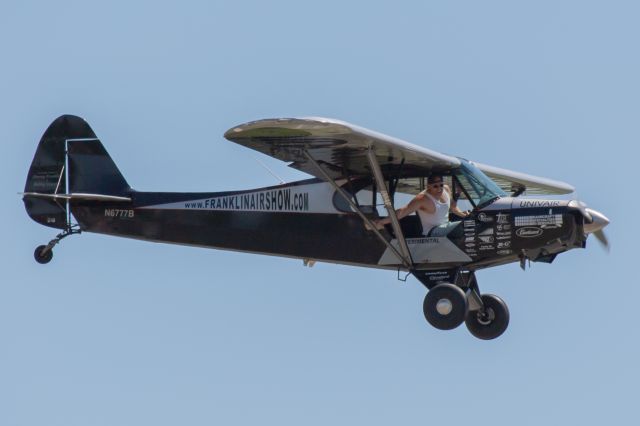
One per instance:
(510, 181)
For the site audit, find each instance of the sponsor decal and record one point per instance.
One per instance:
(539, 203)
(469, 234)
(504, 244)
(539, 220)
(469, 223)
(488, 231)
(427, 240)
(470, 245)
(503, 227)
(502, 218)
(483, 217)
(485, 247)
(438, 276)
(486, 238)
(503, 234)
(504, 252)
(529, 232)
(505, 237)
(45, 181)
(470, 239)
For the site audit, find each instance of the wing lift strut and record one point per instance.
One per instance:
(402, 251)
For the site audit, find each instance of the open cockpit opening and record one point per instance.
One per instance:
(469, 187)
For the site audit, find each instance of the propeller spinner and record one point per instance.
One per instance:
(594, 224)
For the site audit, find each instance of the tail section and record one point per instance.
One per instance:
(70, 162)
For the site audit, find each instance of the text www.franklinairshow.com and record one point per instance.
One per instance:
(276, 200)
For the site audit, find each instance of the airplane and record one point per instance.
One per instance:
(75, 186)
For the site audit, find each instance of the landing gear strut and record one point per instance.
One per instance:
(448, 305)
(44, 253)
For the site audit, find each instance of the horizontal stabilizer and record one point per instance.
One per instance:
(77, 196)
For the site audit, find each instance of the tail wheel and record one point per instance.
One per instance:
(43, 256)
(445, 306)
(490, 322)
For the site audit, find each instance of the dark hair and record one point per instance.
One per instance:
(433, 177)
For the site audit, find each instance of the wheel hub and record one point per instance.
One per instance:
(444, 306)
(486, 317)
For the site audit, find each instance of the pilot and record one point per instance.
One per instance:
(432, 206)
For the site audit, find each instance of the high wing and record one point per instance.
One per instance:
(511, 181)
(341, 148)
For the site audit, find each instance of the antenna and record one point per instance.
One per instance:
(280, 181)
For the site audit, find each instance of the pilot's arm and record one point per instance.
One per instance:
(453, 204)
(419, 201)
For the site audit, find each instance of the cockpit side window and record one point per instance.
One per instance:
(361, 194)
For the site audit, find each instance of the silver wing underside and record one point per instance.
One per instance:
(339, 146)
(511, 181)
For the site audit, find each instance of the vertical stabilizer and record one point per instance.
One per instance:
(69, 159)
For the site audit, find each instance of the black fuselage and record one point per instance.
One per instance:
(281, 221)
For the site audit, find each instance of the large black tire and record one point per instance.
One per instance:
(491, 322)
(40, 257)
(445, 306)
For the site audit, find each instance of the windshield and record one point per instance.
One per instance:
(478, 186)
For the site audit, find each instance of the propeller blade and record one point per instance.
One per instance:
(602, 238)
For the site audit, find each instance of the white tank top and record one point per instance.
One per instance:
(439, 217)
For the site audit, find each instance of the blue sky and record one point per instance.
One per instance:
(118, 331)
